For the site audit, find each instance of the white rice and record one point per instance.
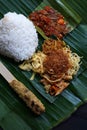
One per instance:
(18, 37)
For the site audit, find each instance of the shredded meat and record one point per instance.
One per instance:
(58, 88)
(56, 64)
(51, 44)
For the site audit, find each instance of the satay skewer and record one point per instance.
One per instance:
(24, 93)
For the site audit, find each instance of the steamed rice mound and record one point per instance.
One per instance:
(18, 37)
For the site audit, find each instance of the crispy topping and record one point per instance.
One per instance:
(51, 44)
(56, 64)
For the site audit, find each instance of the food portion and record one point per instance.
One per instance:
(18, 37)
(56, 64)
(28, 97)
(50, 21)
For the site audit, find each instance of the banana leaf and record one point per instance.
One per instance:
(14, 115)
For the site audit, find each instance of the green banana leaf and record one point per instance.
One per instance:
(14, 115)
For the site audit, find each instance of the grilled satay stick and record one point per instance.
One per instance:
(24, 93)
(28, 97)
